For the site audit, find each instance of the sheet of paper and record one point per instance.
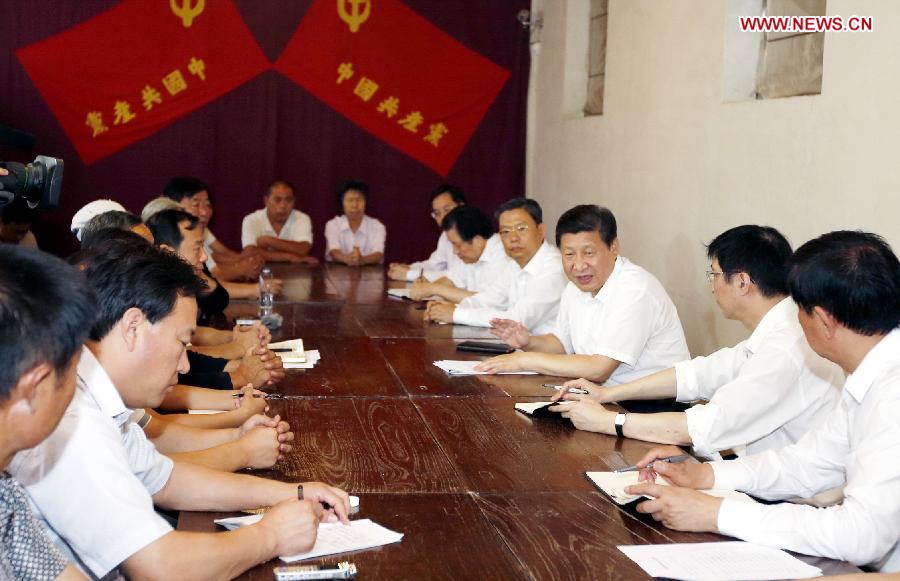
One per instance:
(237, 522)
(202, 412)
(724, 561)
(312, 357)
(338, 538)
(296, 353)
(613, 484)
(529, 407)
(400, 293)
(453, 367)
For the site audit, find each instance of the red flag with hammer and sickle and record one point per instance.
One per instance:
(130, 71)
(395, 74)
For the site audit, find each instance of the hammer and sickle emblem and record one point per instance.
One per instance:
(185, 11)
(354, 17)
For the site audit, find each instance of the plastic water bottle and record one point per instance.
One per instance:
(266, 298)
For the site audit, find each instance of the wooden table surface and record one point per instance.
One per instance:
(479, 490)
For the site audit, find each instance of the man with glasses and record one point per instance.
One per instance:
(764, 393)
(528, 291)
(444, 199)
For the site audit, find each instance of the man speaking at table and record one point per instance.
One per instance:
(95, 480)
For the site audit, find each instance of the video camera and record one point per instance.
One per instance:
(38, 182)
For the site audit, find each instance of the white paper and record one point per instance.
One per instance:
(202, 412)
(337, 538)
(724, 561)
(614, 483)
(530, 407)
(237, 522)
(296, 353)
(400, 293)
(453, 367)
(312, 357)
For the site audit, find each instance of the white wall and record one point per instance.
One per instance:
(677, 165)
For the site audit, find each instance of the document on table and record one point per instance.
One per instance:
(296, 353)
(614, 483)
(400, 293)
(452, 367)
(312, 357)
(724, 561)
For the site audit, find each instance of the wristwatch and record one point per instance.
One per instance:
(620, 424)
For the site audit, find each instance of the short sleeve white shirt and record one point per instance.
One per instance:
(92, 480)
(631, 319)
(297, 228)
(441, 261)
(764, 393)
(479, 276)
(857, 446)
(528, 295)
(370, 236)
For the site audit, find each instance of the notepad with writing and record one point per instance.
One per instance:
(614, 483)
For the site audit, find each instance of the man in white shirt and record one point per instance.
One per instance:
(615, 321)
(847, 287)
(480, 253)
(282, 233)
(194, 197)
(46, 310)
(95, 480)
(528, 290)
(444, 199)
(763, 394)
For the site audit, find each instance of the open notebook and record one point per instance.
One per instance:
(614, 483)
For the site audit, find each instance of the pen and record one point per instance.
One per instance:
(240, 394)
(280, 349)
(679, 458)
(569, 389)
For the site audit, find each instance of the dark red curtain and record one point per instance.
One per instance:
(271, 128)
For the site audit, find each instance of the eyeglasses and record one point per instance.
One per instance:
(712, 274)
(440, 213)
(519, 230)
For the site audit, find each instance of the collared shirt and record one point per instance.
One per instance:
(631, 319)
(92, 480)
(764, 393)
(370, 236)
(479, 276)
(858, 446)
(441, 261)
(25, 550)
(528, 295)
(297, 228)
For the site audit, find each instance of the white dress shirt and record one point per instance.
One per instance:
(369, 236)
(297, 228)
(441, 261)
(92, 480)
(764, 393)
(859, 447)
(528, 295)
(479, 276)
(631, 319)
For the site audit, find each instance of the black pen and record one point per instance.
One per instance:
(679, 458)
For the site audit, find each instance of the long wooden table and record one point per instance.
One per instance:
(479, 490)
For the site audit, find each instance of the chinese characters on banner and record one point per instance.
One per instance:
(395, 74)
(132, 70)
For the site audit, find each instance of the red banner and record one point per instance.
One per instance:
(395, 74)
(132, 70)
